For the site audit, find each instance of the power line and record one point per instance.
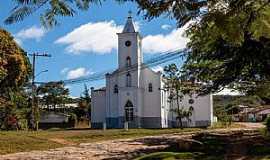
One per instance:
(154, 61)
(35, 109)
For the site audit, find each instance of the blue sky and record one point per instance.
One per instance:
(86, 43)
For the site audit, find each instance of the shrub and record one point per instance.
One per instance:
(267, 123)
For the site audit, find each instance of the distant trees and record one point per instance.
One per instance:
(53, 94)
(178, 87)
(225, 106)
(84, 109)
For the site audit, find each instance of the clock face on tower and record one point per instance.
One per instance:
(128, 43)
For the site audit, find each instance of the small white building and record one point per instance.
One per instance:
(135, 94)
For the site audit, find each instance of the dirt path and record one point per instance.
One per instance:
(114, 149)
(251, 125)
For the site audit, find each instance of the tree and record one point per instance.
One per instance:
(84, 109)
(178, 87)
(262, 90)
(51, 9)
(53, 93)
(230, 45)
(15, 70)
(15, 67)
(86, 97)
(182, 10)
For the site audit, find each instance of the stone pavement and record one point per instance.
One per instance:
(113, 149)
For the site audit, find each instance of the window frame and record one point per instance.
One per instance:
(128, 80)
(115, 89)
(150, 87)
(128, 61)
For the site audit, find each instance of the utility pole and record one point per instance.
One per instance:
(35, 109)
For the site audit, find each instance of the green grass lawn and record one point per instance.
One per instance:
(12, 141)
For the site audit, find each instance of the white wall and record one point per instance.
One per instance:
(203, 109)
(152, 100)
(112, 105)
(133, 51)
(98, 103)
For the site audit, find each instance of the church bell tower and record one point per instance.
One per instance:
(129, 46)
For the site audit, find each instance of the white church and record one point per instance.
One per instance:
(135, 94)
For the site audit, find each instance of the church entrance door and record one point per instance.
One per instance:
(129, 111)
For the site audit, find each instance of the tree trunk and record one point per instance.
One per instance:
(178, 110)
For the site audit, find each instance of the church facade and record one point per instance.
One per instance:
(134, 93)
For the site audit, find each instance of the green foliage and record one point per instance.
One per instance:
(168, 155)
(229, 42)
(15, 70)
(183, 11)
(14, 66)
(51, 9)
(178, 87)
(262, 90)
(259, 150)
(18, 110)
(225, 106)
(84, 110)
(229, 47)
(53, 93)
(267, 123)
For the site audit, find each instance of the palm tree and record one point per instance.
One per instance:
(182, 10)
(53, 9)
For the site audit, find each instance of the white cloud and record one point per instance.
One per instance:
(68, 87)
(165, 42)
(166, 26)
(33, 32)
(158, 69)
(78, 72)
(101, 38)
(64, 70)
(18, 41)
(137, 26)
(97, 37)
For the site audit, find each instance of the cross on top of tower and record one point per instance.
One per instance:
(129, 14)
(129, 27)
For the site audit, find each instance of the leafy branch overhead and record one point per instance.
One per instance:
(230, 48)
(51, 10)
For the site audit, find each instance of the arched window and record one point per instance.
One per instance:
(128, 62)
(115, 89)
(150, 87)
(129, 111)
(128, 80)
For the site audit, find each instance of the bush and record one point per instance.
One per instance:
(267, 123)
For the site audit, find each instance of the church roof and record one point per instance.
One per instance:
(129, 27)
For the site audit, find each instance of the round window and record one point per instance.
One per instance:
(191, 101)
(128, 43)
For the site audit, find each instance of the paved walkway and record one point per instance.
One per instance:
(114, 149)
